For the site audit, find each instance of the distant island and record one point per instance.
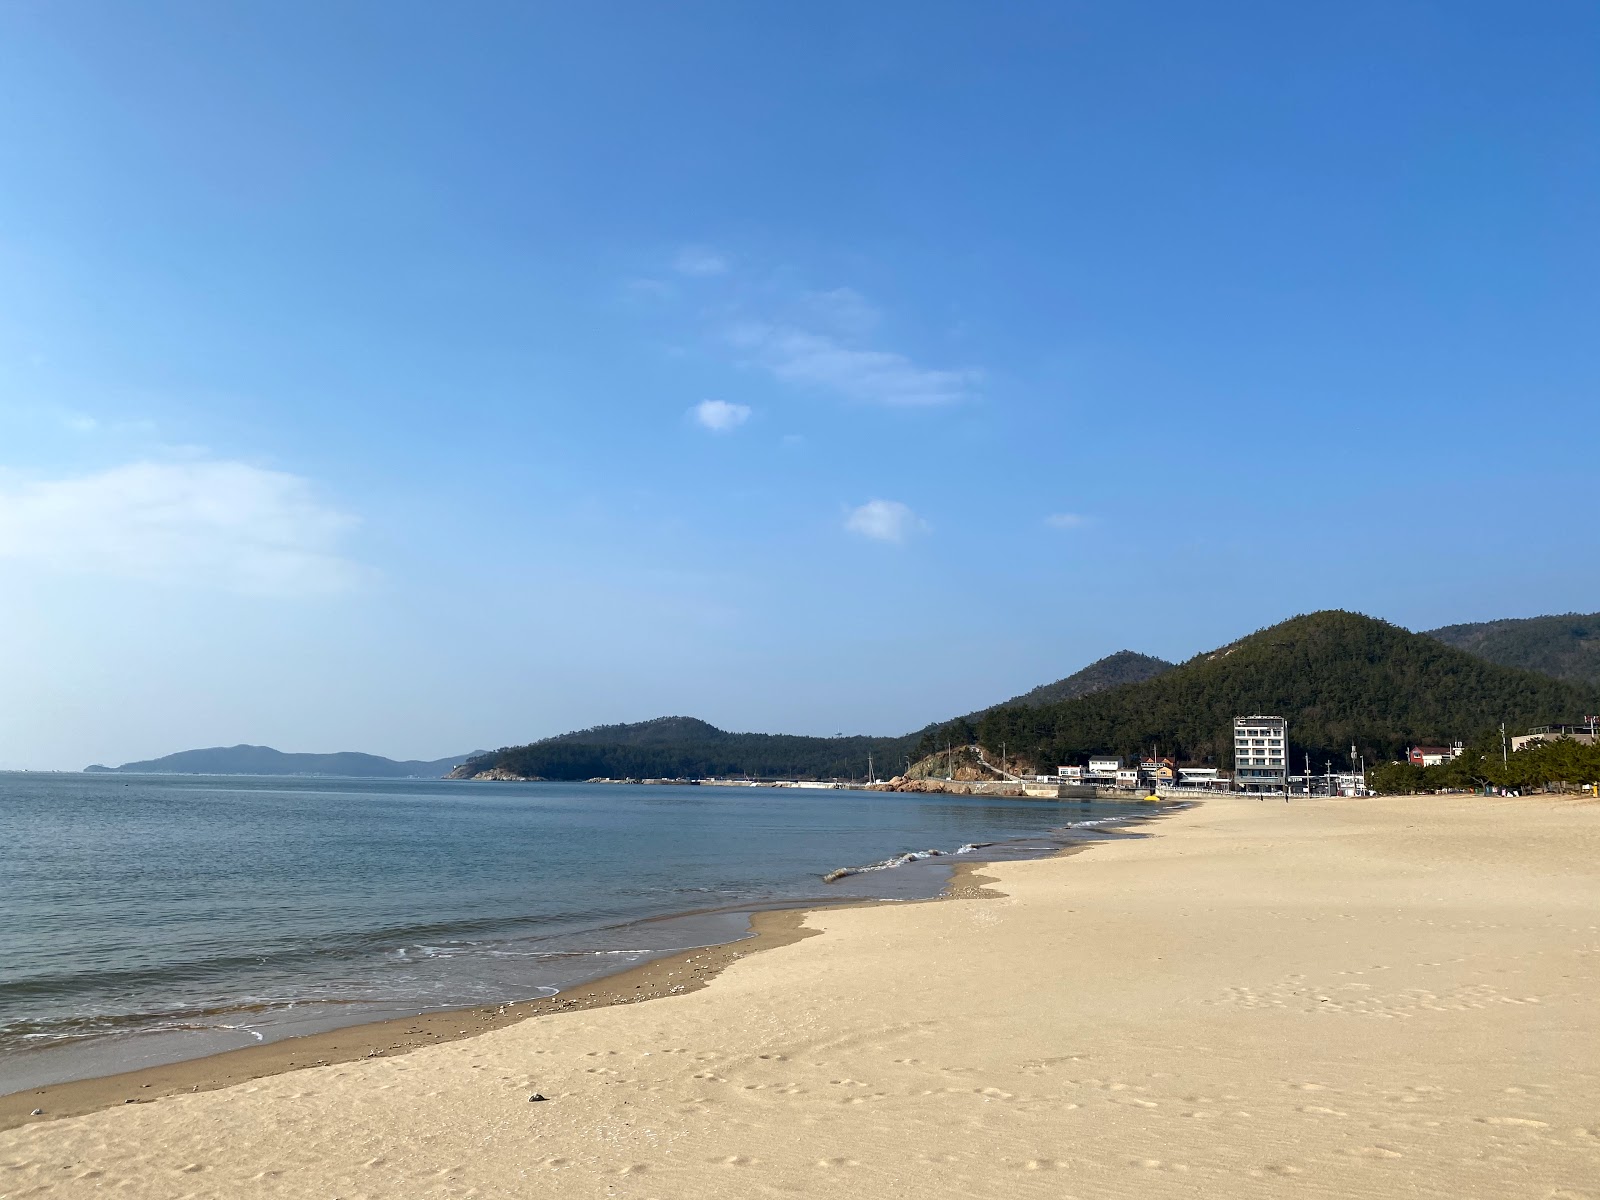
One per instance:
(264, 760)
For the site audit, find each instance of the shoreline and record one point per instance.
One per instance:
(671, 975)
(1347, 997)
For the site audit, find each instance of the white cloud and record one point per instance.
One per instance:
(212, 523)
(699, 260)
(719, 416)
(1066, 520)
(884, 521)
(818, 360)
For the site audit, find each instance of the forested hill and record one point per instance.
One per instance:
(1114, 670)
(264, 760)
(687, 748)
(1338, 677)
(1563, 647)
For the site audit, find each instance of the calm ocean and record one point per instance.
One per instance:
(147, 918)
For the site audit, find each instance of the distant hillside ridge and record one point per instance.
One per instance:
(1114, 670)
(1338, 677)
(1566, 646)
(688, 748)
(264, 760)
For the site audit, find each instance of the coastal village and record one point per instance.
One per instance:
(1260, 756)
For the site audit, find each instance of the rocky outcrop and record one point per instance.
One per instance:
(500, 773)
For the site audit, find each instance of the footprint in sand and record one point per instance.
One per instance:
(738, 1160)
(837, 1162)
(1372, 1152)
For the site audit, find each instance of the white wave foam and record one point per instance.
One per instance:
(888, 864)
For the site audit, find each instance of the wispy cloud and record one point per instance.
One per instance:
(884, 521)
(719, 416)
(826, 340)
(699, 260)
(1066, 520)
(212, 523)
(807, 358)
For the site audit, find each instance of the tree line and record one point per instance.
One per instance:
(1483, 764)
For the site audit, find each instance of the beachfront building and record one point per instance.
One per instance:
(1209, 778)
(1585, 733)
(1158, 772)
(1102, 770)
(1433, 756)
(1260, 754)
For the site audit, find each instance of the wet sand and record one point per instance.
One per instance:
(672, 975)
(1389, 997)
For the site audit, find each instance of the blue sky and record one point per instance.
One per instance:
(415, 379)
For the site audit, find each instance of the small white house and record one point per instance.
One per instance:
(1128, 777)
(1069, 772)
(1104, 766)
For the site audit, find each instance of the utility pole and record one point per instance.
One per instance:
(1308, 772)
(1503, 757)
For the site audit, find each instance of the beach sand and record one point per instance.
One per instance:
(1352, 998)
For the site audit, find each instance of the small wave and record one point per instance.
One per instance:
(888, 864)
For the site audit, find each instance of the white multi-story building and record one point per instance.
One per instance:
(1260, 754)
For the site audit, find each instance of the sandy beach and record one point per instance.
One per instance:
(1389, 997)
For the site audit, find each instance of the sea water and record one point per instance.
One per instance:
(148, 919)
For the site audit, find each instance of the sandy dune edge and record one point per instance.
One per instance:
(1356, 998)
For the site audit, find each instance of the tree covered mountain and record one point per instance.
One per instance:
(687, 748)
(1339, 678)
(264, 760)
(1114, 670)
(1563, 647)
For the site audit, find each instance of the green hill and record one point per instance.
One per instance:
(1338, 677)
(687, 748)
(1563, 647)
(264, 760)
(1114, 670)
